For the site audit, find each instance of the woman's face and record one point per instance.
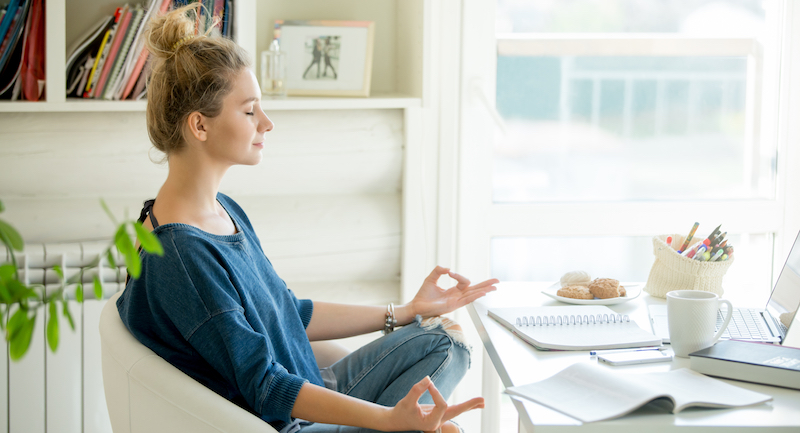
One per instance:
(236, 135)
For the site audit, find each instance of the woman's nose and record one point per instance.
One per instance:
(265, 124)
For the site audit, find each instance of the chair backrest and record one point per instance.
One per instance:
(146, 394)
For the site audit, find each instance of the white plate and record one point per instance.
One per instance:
(632, 290)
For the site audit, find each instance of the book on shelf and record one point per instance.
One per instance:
(584, 327)
(10, 13)
(122, 54)
(16, 49)
(589, 392)
(114, 44)
(101, 55)
(108, 61)
(82, 56)
(770, 364)
(132, 48)
(32, 74)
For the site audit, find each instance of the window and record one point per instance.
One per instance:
(589, 126)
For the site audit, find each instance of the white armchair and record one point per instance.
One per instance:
(146, 394)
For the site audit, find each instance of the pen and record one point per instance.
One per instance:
(638, 349)
(689, 238)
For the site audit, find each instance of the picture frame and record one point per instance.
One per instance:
(327, 58)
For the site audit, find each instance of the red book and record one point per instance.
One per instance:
(32, 74)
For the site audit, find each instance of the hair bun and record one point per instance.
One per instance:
(167, 32)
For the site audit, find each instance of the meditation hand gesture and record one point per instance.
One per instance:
(432, 300)
(408, 414)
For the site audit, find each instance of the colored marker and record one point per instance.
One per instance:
(716, 256)
(669, 241)
(689, 238)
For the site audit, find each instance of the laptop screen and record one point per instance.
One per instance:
(785, 298)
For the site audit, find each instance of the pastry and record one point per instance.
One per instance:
(575, 278)
(575, 292)
(622, 291)
(604, 288)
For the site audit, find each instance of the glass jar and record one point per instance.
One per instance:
(273, 71)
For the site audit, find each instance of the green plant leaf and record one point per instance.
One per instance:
(59, 271)
(110, 257)
(123, 242)
(108, 211)
(7, 272)
(15, 323)
(79, 293)
(21, 340)
(68, 315)
(98, 288)
(2, 206)
(11, 236)
(19, 291)
(52, 328)
(148, 240)
(5, 295)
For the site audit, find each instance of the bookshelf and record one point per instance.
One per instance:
(398, 66)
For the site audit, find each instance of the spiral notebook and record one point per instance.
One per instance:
(584, 327)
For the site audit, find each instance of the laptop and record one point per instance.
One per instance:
(769, 324)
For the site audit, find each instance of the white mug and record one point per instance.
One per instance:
(692, 317)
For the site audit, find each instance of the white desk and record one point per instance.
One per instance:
(519, 363)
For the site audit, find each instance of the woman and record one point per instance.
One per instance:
(214, 307)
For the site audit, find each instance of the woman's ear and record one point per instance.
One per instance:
(198, 126)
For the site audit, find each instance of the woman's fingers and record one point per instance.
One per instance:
(462, 281)
(457, 409)
(419, 388)
(437, 272)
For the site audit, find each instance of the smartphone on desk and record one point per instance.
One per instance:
(637, 357)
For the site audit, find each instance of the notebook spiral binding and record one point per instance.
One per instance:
(571, 320)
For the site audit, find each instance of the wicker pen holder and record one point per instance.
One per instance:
(671, 271)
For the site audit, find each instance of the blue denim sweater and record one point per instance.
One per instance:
(214, 307)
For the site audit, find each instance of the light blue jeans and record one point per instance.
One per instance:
(384, 370)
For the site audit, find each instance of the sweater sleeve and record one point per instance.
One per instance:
(245, 358)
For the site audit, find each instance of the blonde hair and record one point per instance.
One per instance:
(188, 73)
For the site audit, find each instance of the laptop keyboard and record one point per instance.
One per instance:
(746, 323)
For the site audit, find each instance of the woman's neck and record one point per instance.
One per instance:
(189, 195)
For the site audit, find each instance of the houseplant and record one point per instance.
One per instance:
(20, 303)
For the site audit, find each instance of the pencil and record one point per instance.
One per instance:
(689, 238)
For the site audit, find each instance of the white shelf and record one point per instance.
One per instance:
(387, 101)
(397, 73)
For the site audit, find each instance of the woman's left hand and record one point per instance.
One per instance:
(432, 300)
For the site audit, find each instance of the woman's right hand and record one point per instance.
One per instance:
(408, 414)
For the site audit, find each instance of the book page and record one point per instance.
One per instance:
(589, 393)
(689, 388)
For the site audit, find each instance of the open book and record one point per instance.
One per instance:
(589, 392)
(573, 328)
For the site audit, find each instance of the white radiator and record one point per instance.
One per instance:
(48, 392)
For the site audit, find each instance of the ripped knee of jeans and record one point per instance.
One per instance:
(451, 327)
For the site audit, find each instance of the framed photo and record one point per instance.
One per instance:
(327, 58)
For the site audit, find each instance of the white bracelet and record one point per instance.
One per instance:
(391, 321)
